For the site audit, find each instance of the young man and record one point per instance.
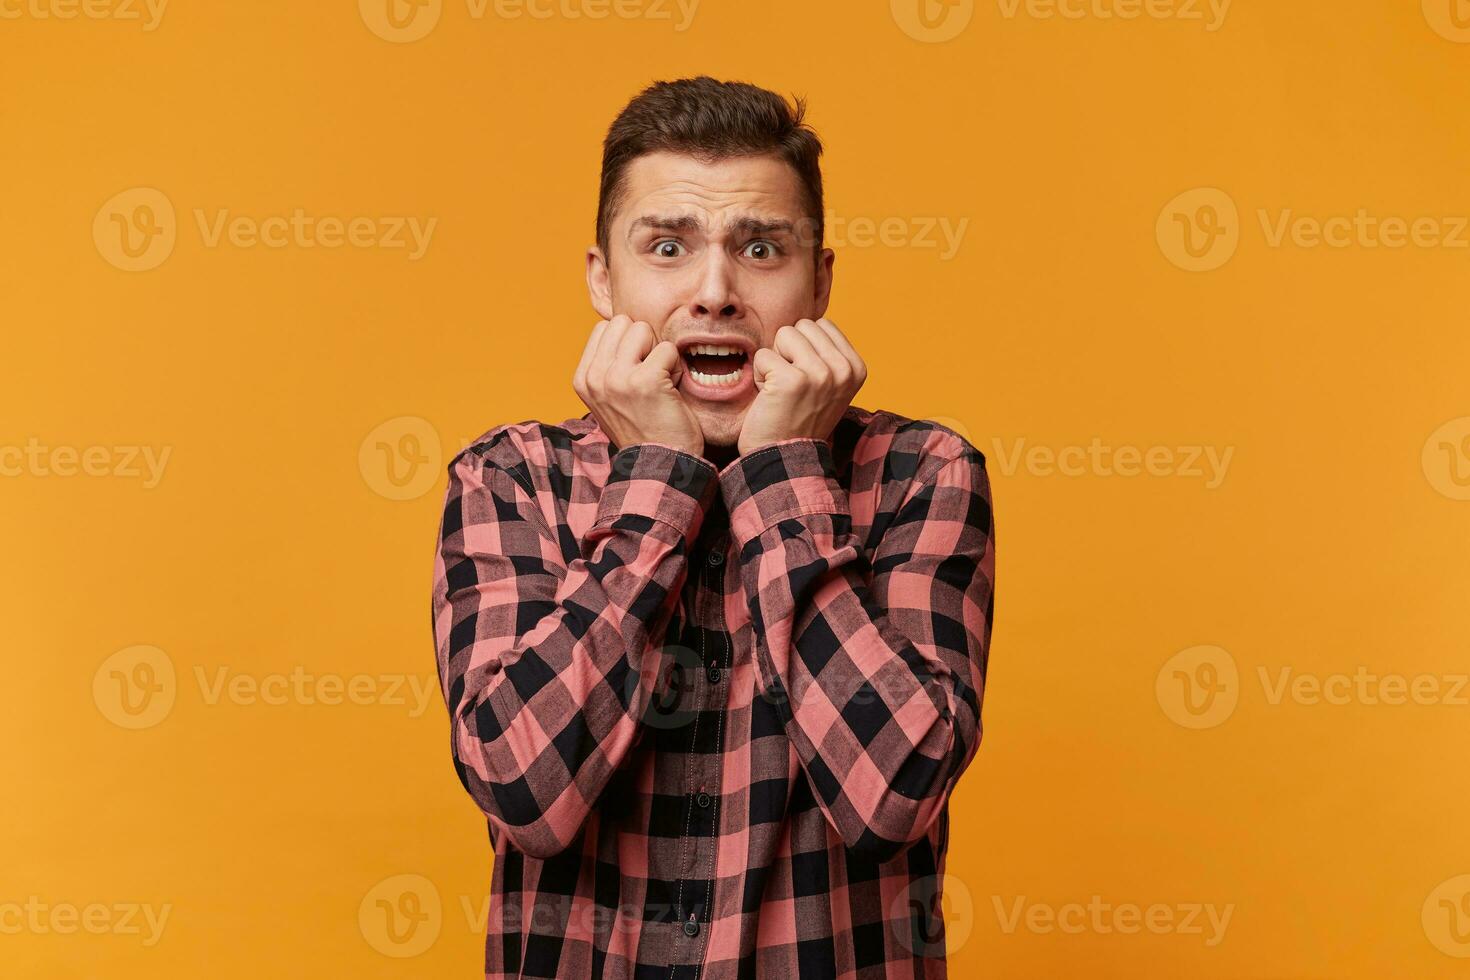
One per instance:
(714, 652)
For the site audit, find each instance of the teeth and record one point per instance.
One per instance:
(712, 349)
(716, 379)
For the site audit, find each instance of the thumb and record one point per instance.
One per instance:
(665, 357)
(763, 363)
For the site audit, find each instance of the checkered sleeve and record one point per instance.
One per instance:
(876, 666)
(546, 664)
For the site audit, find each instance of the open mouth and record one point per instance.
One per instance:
(716, 365)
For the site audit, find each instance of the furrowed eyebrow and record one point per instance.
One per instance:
(688, 222)
(659, 222)
(761, 226)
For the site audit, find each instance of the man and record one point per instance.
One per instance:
(714, 652)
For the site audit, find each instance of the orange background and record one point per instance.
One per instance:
(285, 382)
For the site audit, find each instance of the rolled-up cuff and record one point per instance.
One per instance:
(659, 482)
(783, 480)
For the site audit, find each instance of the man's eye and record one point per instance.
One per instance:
(762, 250)
(668, 249)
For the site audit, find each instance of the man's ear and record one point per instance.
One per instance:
(823, 291)
(599, 283)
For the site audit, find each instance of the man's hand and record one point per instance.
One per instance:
(630, 383)
(805, 384)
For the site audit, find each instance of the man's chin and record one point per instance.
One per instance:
(721, 430)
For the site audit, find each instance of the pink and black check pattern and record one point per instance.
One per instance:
(714, 716)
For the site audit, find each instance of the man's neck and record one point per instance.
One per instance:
(721, 456)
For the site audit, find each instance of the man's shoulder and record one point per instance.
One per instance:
(869, 434)
(531, 443)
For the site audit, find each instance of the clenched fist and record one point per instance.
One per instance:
(806, 382)
(629, 381)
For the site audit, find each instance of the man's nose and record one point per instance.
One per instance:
(715, 292)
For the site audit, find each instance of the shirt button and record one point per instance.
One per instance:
(691, 928)
(714, 675)
(703, 799)
(716, 558)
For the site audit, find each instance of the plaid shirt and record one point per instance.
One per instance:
(713, 716)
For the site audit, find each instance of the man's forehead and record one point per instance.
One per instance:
(735, 188)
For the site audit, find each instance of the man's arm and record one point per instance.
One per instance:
(878, 685)
(542, 662)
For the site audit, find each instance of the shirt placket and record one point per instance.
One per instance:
(694, 895)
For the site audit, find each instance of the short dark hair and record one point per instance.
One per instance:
(710, 120)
